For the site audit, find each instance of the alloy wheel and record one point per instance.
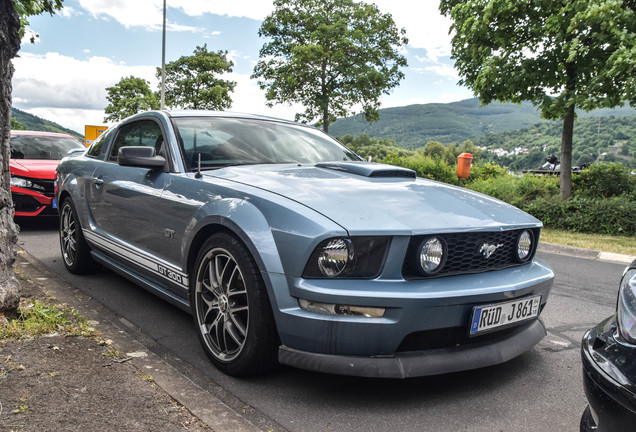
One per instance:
(222, 304)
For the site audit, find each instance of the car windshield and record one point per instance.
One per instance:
(230, 141)
(42, 146)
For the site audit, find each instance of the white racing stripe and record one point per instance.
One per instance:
(148, 262)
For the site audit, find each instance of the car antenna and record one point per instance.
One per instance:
(198, 174)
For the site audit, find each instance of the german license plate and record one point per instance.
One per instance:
(486, 318)
(54, 203)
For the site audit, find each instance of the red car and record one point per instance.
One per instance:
(34, 157)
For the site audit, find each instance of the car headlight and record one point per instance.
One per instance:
(334, 256)
(21, 182)
(432, 255)
(525, 245)
(355, 257)
(626, 309)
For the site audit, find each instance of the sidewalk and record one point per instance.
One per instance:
(586, 253)
(110, 383)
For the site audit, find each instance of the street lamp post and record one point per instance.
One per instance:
(163, 59)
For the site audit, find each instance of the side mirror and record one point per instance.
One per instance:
(141, 157)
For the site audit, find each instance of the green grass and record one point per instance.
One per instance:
(36, 318)
(599, 242)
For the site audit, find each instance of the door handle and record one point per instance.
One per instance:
(98, 181)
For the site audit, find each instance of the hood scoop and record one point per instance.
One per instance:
(367, 169)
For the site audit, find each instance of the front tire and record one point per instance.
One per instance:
(75, 251)
(231, 308)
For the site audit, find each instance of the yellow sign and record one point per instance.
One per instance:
(92, 132)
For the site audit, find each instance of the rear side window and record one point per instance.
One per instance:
(145, 133)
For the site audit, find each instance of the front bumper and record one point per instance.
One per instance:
(29, 203)
(424, 330)
(608, 380)
(422, 363)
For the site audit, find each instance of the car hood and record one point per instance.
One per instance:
(34, 168)
(371, 199)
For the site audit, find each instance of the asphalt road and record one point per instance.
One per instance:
(539, 391)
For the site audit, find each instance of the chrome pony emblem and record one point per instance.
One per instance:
(488, 249)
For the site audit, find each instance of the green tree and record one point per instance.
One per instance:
(331, 56)
(434, 149)
(558, 54)
(16, 125)
(129, 96)
(13, 18)
(192, 82)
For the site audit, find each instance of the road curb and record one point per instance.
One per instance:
(586, 253)
(208, 408)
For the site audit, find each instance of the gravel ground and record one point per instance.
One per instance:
(78, 383)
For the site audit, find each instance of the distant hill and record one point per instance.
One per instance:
(413, 126)
(610, 138)
(36, 123)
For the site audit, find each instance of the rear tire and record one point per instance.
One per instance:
(231, 308)
(75, 251)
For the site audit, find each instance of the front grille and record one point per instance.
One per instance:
(45, 187)
(25, 203)
(465, 253)
(446, 338)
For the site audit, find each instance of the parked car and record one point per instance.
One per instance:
(34, 157)
(286, 246)
(609, 365)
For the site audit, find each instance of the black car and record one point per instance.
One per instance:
(609, 365)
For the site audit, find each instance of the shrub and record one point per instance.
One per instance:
(604, 180)
(481, 171)
(518, 190)
(614, 216)
(426, 167)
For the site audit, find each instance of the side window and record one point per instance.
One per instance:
(98, 148)
(141, 133)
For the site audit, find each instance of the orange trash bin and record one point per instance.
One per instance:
(464, 162)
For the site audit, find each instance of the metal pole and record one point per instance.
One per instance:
(163, 59)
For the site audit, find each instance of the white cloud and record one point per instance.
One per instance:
(75, 119)
(67, 12)
(425, 26)
(253, 9)
(53, 82)
(149, 13)
(249, 98)
(444, 71)
(144, 13)
(72, 92)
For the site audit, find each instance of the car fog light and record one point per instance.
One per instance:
(525, 245)
(432, 255)
(334, 257)
(627, 306)
(343, 310)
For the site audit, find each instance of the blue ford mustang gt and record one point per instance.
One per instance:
(287, 247)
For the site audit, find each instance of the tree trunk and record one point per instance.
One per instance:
(9, 46)
(568, 132)
(325, 120)
(566, 153)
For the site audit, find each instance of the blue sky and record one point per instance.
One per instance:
(92, 44)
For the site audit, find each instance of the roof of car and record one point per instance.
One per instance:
(42, 133)
(226, 114)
